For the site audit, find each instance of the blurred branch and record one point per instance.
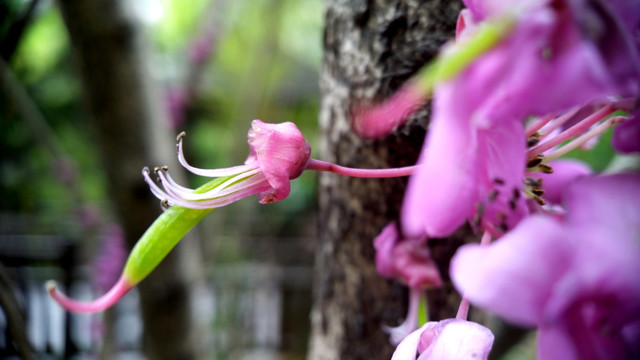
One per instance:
(28, 110)
(15, 322)
(39, 128)
(10, 41)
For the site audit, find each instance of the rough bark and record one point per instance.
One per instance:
(371, 48)
(130, 134)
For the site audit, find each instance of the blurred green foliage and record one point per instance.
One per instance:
(264, 64)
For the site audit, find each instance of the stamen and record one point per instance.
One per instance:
(559, 121)
(582, 139)
(533, 140)
(572, 131)
(210, 172)
(538, 123)
(535, 161)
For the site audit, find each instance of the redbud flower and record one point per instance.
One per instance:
(278, 153)
(576, 279)
(450, 339)
(409, 261)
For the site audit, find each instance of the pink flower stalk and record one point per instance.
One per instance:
(450, 339)
(575, 279)
(122, 286)
(278, 153)
(410, 262)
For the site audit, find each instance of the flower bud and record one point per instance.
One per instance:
(281, 153)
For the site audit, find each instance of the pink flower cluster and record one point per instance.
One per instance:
(566, 255)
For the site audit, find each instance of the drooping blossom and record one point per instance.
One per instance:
(451, 339)
(410, 262)
(575, 279)
(278, 153)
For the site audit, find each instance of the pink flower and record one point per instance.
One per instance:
(281, 153)
(449, 339)
(576, 279)
(407, 260)
(278, 153)
(410, 262)
(473, 160)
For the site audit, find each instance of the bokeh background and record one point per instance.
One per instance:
(216, 65)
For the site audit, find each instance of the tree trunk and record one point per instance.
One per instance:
(371, 48)
(131, 134)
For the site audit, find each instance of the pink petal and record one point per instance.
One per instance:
(282, 154)
(409, 346)
(440, 196)
(514, 276)
(565, 172)
(609, 203)
(380, 120)
(453, 339)
(384, 244)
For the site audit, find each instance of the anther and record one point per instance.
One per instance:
(498, 181)
(537, 192)
(534, 161)
(545, 168)
(531, 182)
(532, 141)
(540, 200)
(180, 136)
(164, 168)
(156, 169)
(164, 204)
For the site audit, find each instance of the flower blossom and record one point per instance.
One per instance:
(278, 153)
(451, 339)
(409, 261)
(473, 162)
(575, 279)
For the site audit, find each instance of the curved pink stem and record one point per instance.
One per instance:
(320, 165)
(102, 303)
